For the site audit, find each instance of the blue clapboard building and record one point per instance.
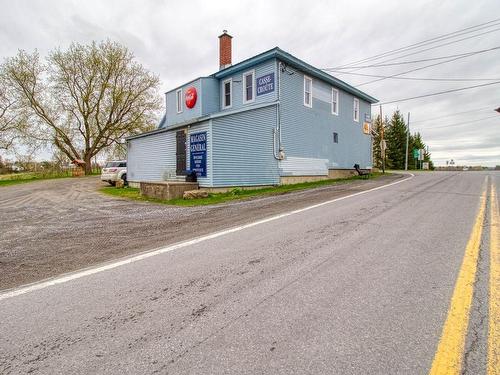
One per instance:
(268, 120)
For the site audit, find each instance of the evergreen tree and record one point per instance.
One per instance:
(416, 143)
(396, 142)
(395, 136)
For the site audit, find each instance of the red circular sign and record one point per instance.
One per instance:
(191, 96)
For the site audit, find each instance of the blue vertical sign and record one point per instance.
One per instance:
(198, 153)
(265, 84)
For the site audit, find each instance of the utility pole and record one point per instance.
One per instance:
(407, 141)
(382, 142)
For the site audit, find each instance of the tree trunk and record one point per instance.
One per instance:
(88, 164)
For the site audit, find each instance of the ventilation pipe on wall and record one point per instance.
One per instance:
(280, 155)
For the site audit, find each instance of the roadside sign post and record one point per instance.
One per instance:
(415, 156)
(421, 156)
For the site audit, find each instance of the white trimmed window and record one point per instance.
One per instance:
(356, 110)
(227, 93)
(335, 101)
(249, 86)
(308, 91)
(178, 101)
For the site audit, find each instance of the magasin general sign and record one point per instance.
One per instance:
(198, 153)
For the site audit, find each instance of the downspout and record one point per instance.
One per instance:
(281, 152)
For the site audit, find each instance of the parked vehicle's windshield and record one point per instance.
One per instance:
(111, 164)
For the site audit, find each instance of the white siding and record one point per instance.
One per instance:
(294, 166)
(151, 158)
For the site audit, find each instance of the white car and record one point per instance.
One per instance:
(115, 171)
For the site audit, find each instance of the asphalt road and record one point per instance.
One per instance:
(361, 285)
(55, 226)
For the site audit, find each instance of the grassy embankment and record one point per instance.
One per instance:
(215, 198)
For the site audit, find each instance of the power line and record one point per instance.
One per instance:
(437, 40)
(427, 41)
(437, 93)
(441, 45)
(412, 70)
(421, 79)
(461, 123)
(482, 109)
(412, 61)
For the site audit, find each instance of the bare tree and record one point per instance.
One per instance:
(85, 99)
(12, 120)
(118, 151)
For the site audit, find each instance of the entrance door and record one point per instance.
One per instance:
(181, 153)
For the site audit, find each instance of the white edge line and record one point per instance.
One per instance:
(133, 259)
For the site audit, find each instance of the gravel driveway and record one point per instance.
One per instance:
(56, 226)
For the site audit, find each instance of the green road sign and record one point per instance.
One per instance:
(415, 153)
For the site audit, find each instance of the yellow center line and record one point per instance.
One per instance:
(449, 354)
(494, 296)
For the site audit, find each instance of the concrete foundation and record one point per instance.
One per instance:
(229, 188)
(288, 180)
(341, 173)
(332, 174)
(166, 190)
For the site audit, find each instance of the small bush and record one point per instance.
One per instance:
(236, 191)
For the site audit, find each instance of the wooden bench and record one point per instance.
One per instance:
(361, 173)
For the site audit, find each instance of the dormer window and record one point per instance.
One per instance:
(249, 86)
(227, 93)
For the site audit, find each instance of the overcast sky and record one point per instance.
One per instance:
(178, 41)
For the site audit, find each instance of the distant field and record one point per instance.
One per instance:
(24, 177)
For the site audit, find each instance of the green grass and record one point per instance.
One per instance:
(216, 198)
(24, 177)
(14, 182)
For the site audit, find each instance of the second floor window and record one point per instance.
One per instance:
(227, 93)
(308, 86)
(248, 86)
(335, 101)
(356, 110)
(178, 98)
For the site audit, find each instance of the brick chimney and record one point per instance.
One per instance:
(224, 50)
